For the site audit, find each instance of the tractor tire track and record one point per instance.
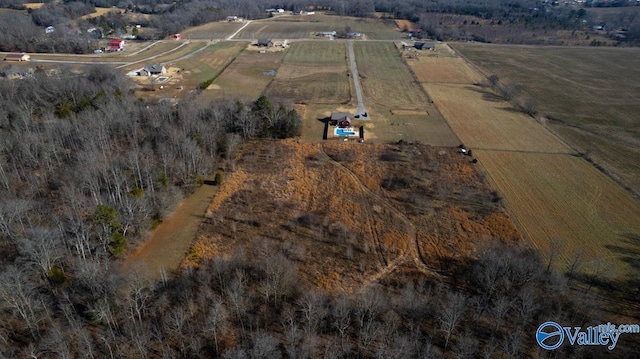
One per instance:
(416, 254)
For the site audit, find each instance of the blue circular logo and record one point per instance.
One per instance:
(550, 335)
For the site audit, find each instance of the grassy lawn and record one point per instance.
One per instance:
(589, 95)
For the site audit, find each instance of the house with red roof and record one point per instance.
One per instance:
(115, 45)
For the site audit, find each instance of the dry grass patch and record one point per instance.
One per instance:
(385, 78)
(589, 95)
(212, 30)
(565, 196)
(444, 70)
(248, 75)
(305, 27)
(483, 121)
(313, 72)
(345, 212)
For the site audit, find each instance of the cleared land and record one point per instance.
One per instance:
(304, 27)
(313, 72)
(351, 214)
(550, 190)
(483, 121)
(386, 80)
(247, 76)
(589, 96)
(432, 69)
(212, 30)
(566, 197)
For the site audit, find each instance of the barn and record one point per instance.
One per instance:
(17, 57)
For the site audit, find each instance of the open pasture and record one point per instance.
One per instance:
(313, 72)
(385, 78)
(304, 27)
(565, 196)
(589, 96)
(428, 127)
(247, 76)
(209, 62)
(212, 30)
(483, 121)
(454, 70)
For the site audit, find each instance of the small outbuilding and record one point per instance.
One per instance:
(424, 46)
(17, 57)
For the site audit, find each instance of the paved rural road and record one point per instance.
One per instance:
(170, 241)
(356, 79)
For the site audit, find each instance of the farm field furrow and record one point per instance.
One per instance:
(588, 95)
(483, 121)
(564, 196)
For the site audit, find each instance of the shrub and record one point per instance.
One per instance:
(218, 178)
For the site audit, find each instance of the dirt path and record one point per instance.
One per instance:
(412, 234)
(171, 240)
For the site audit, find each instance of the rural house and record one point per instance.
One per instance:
(17, 57)
(340, 119)
(265, 42)
(115, 45)
(424, 46)
(153, 69)
(177, 36)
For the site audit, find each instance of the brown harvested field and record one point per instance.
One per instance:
(212, 30)
(483, 121)
(385, 78)
(565, 196)
(351, 214)
(588, 94)
(455, 70)
(247, 76)
(313, 72)
(304, 27)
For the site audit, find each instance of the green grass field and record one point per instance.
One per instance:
(589, 95)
